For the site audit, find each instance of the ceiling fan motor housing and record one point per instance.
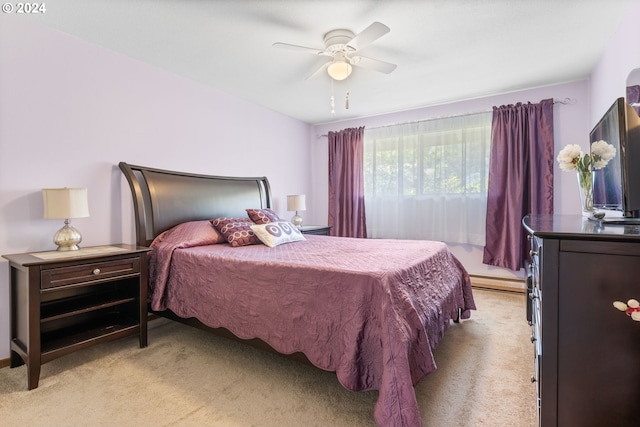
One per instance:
(336, 40)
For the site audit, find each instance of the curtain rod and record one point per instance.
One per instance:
(565, 101)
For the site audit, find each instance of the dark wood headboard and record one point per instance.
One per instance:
(164, 198)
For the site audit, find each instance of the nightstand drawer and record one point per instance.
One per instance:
(322, 230)
(88, 273)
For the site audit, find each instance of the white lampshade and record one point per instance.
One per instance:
(339, 70)
(296, 202)
(65, 203)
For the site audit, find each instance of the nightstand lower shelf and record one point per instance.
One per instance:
(63, 341)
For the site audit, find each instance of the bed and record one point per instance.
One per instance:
(370, 310)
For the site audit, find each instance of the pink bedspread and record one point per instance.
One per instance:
(370, 310)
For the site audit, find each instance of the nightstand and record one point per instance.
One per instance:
(316, 229)
(61, 302)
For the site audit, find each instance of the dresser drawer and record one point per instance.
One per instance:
(89, 273)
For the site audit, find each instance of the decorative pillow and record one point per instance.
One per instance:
(263, 216)
(277, 233)
(189, 234)
(237, 231)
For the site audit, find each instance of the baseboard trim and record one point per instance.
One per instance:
(498, 283)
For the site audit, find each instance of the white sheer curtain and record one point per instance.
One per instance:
(428, 179)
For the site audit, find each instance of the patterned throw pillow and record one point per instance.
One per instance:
(237, 231)
(263, 216)
(277, 233)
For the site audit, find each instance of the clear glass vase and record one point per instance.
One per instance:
(585, 186)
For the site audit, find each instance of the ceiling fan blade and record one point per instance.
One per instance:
(373, 64)
(299, 48)
(370, 34)
(322, 68)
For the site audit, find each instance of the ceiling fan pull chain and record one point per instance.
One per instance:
(333, 102)
(346, 101)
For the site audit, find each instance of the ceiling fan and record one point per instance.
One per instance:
(342, 46)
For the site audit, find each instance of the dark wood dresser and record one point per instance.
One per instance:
(587, 352)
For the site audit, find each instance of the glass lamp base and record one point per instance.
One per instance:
(67, 238)
(297, 220)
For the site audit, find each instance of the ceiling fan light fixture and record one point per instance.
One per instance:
(339, 70)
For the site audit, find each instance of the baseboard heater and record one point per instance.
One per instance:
(498, 283)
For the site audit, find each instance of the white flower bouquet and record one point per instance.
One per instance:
(571, 157)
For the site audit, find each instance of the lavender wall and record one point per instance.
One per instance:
(70, 111)
(622, 56)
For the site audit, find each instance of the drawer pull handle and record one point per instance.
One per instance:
(96, 271)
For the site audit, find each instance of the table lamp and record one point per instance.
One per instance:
(66, 203)
(296, 203)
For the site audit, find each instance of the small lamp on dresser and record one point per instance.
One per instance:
(296, 203)
(66, 203)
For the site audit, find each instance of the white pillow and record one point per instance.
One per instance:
(277, 233)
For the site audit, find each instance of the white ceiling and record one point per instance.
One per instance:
(446, 50)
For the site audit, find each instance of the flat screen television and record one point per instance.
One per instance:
(617, 185)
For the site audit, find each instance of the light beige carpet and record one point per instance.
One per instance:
(187, 377)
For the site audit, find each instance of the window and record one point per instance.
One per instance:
(428, 180)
